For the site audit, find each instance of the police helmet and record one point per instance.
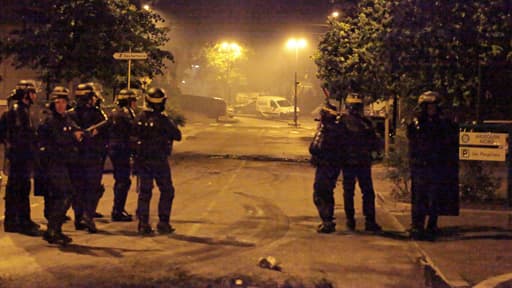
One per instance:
(59, 92)
(156, 96)
(127, 94)
(353, 98)
(11, 95)
(27, 85)
(23, 88)
(429, 97)
(354, 103)
(86, 91)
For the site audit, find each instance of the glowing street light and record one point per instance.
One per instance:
(296, 44)
(335, 14)
(233, 49)
(146, 7)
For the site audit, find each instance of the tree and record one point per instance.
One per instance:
(352, 55)
(66, 40)
(448, 45)
(405, 47)
(221, 58)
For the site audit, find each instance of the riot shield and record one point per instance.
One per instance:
(449, 175)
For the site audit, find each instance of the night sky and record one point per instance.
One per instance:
(246, 19)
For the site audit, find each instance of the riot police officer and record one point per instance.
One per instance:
(359, 141)
(431, 140)
(155, 134)
(327, 158)
(18, 133)
(121, 142)
(89, 116)
(58, 141)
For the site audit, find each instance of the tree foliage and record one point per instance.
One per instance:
(352, 54)
(405, 47)
(222, 58)
(65, 40)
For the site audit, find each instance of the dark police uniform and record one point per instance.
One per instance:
(121, 142)
(59, 157)
(359, 141)
(430, 148)
(93, 150)
(19, 135)
(433, 162)
(155, 134)
(327, 157)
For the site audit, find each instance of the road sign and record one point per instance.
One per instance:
(483, 139)
(483, 146)
(482, 154)
(130, 55)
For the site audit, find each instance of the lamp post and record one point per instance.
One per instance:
(296, 44)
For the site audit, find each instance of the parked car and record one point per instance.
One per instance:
(274, 106)
(247, 108)
(210, 106)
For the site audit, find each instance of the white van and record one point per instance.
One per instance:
(274, 106)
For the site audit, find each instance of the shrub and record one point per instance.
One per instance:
(398, 168)
(476, 183)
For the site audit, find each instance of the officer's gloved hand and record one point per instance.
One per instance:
(79, 135)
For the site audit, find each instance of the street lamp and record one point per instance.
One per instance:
(232, 52)
(335, 14)
(296, 44)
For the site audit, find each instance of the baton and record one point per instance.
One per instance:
(95, 126)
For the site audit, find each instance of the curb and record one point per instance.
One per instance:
(501, 281)
(263, 158)
(432, 274)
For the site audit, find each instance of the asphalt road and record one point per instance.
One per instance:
(228, 212)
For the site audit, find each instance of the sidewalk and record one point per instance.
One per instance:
(473, 248)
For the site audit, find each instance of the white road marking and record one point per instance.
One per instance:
(18, 260)
(223, 190)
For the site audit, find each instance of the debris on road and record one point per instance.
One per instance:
(269, 262)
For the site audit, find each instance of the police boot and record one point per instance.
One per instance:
(55, 237)
(164, 227)
(79, 224)
(371, 225)
(351, 223)
(30, 228)
(326, 227)
(51, 236)
(10, 226)
(89, 224)
(122, 216)
(65, 239)
(432, 228)
(144, 227)
(431, 232)
(417, 233)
